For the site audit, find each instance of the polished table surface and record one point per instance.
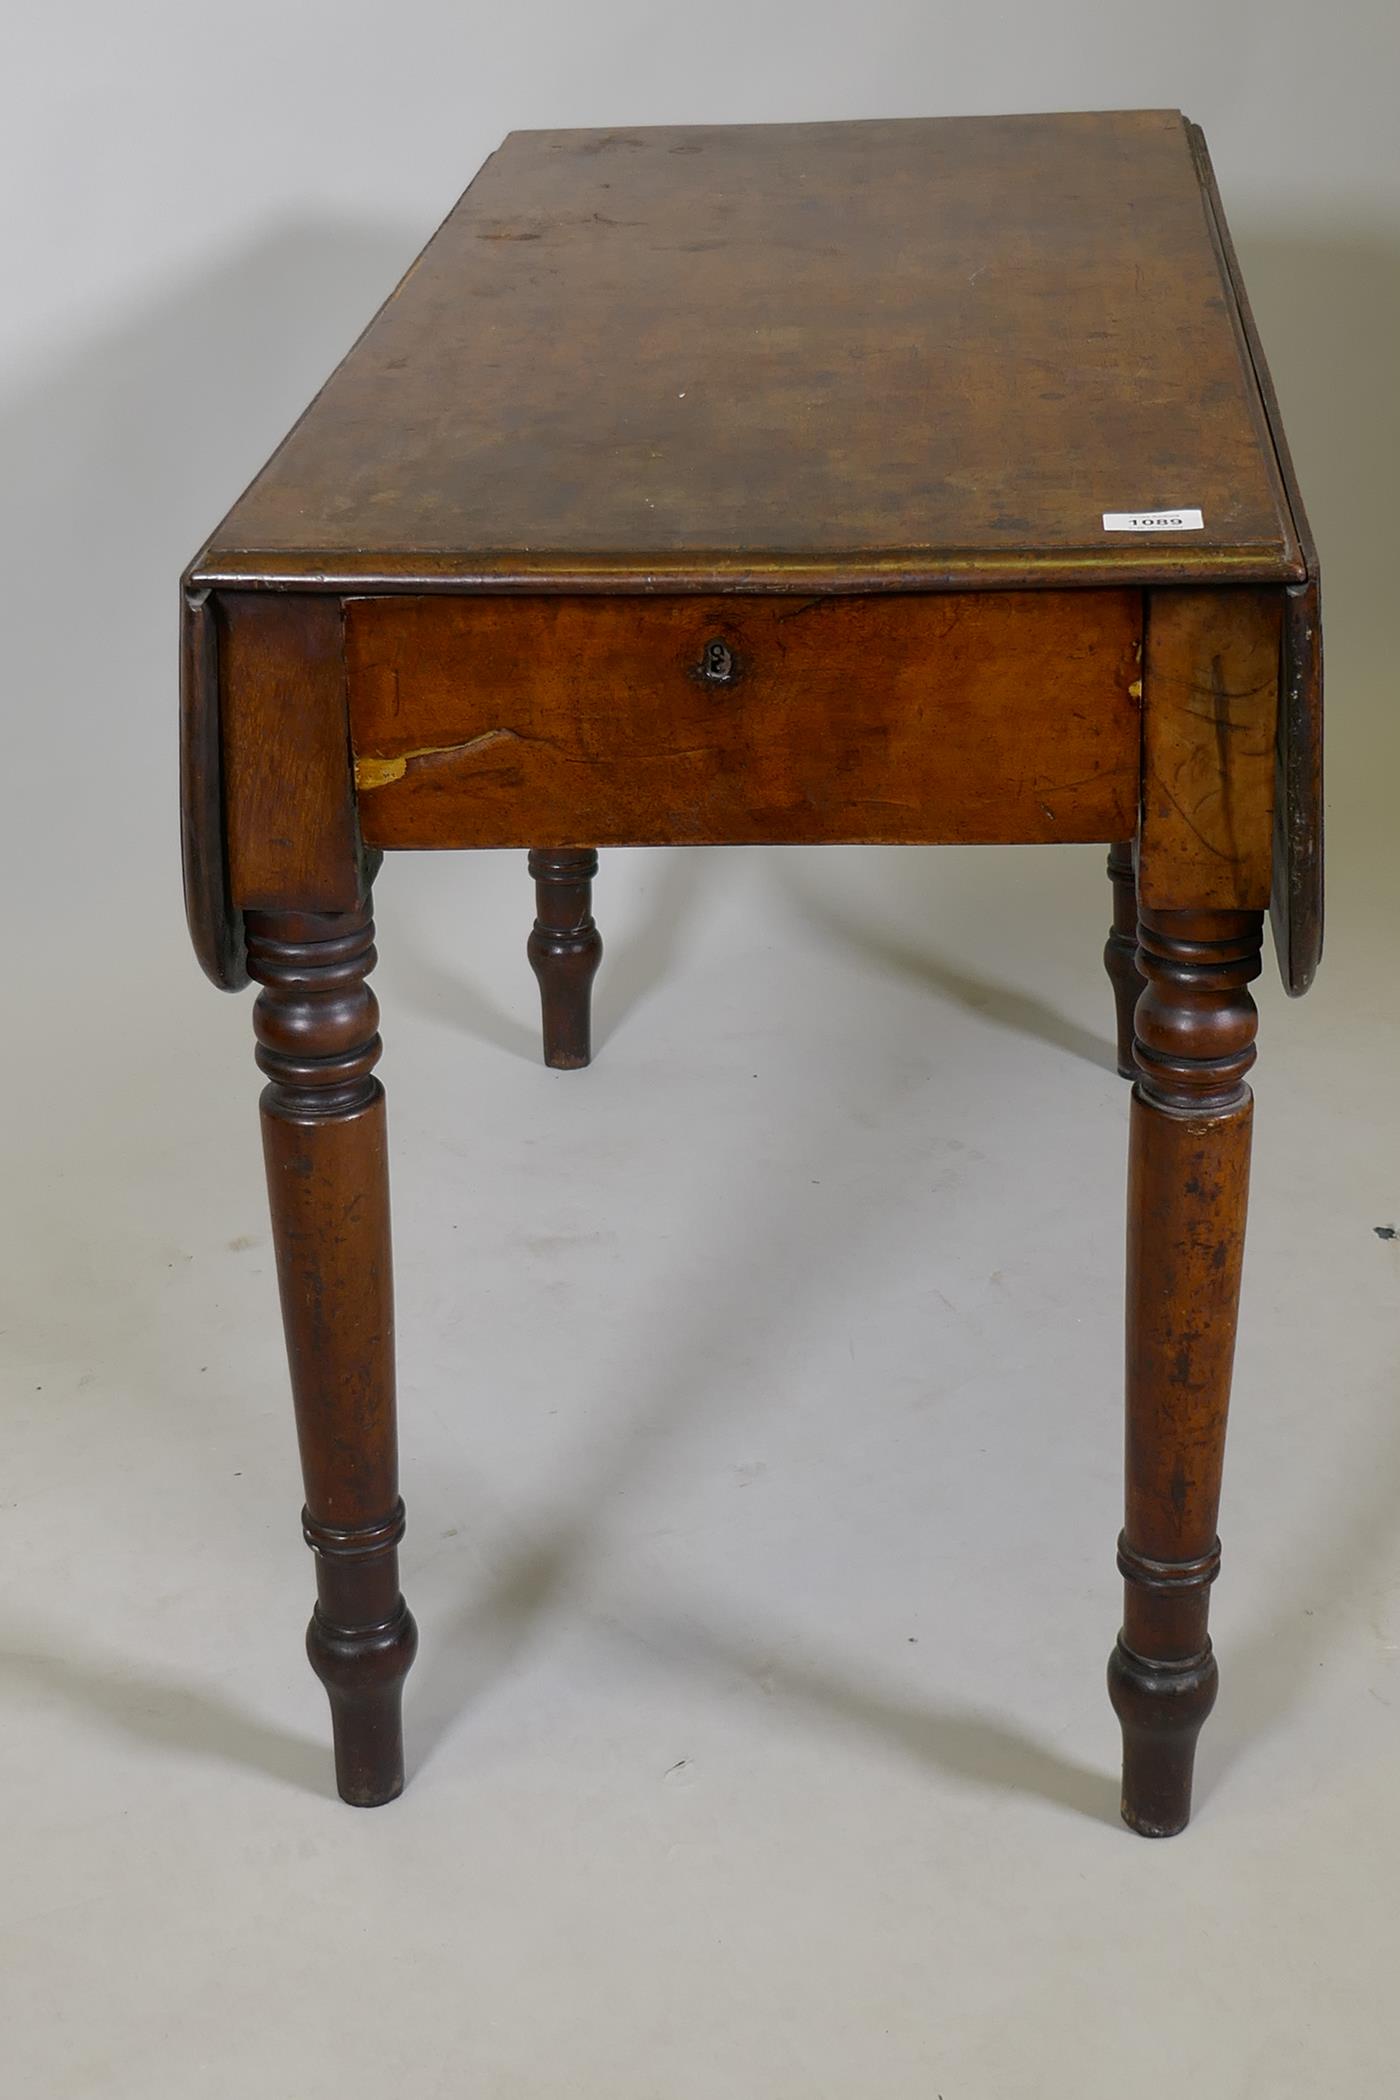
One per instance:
(914, 481)
(898, 353)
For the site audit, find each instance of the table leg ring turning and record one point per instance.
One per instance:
(362, 1665)
(1120, 950)
(325, 1146)
(1162, 1705)
(1188, 1179)
(696, 618)
(565, 949)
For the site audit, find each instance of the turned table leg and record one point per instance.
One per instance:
(1188, 1179)
(565, 949)
(1120, 950)
(327, 1173)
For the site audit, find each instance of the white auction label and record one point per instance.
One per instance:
(1153, 521)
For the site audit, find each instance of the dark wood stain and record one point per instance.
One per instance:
(499, 721)
(215, 922)
(292, 830)
(326, 1153)
(1210, 693)
(1296, 904)
(1120, 950)
(722, 485)
(1188, 1182)
(565, 949)
(906, 353)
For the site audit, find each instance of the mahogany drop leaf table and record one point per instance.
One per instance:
(906, 482)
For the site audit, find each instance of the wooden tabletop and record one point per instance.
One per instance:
(916, 354)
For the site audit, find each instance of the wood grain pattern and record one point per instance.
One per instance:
(215, 922)
(1120, 950)
(1296, 905)
(290, 808)
(739, 485)
(1188, 1184)
(326, 1152)
(509, 722)
(1210, 707)
(912, 353)
(565, 949)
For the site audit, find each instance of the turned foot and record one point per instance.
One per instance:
(1161, 1707)
(363, 1669)
(565, 949)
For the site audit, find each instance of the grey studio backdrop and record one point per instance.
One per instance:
(758, 1741)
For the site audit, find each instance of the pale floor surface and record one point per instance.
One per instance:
(761, 1404)
(761, 1430)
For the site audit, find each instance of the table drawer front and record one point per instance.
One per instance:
(481, 721)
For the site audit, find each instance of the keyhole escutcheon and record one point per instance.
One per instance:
(718, 664)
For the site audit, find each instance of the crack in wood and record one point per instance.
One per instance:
(373, 772)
